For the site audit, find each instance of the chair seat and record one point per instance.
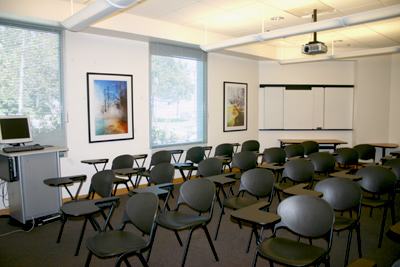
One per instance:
(114, 243)
(342, 223)
(179, 220)
(282, 186)
(239, 202)
(373, 202)
(290, 252)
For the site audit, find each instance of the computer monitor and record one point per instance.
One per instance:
(15, 130)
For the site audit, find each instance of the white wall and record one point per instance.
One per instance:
(222, 68)
(319, 73)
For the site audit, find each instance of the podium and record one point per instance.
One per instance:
(28, 196)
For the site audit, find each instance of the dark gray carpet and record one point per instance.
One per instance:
(39, 248)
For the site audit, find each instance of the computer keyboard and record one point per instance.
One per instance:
(13, 149)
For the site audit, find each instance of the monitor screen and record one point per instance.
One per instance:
(15, 130)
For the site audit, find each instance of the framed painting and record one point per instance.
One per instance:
(110, 107)
(235, 106)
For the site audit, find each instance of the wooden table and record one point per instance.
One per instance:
(323, 143)
(299, 189)
(256, 216)
(384, 146)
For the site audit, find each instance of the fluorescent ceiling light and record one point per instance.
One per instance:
(363, 53)
(365, 17)
(95, 12)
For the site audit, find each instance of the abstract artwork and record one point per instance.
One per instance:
(235, 106)
(110, 107)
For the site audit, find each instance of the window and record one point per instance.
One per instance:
(30, 79)
(178, 95)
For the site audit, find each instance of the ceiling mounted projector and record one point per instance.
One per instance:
(313, 48)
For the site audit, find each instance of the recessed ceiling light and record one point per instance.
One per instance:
(277, 18)
(338, 41)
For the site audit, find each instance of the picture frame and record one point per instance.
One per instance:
(110, 107)
(235, 106)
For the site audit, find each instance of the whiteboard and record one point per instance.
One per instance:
(298, 109)
(338, 108)
(273, 109)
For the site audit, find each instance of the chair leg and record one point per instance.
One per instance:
(177, 236)
(219, 222)
(382, 226)
(358, 231)
(255, 259)
(346, 259)
(142, 260)
(88, 259)
(251, 237)
(81, 236)
(210, 242)
(187, 247)
(64, 220)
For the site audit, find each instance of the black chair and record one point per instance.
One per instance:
(294, 151)
(199, 195)
(379, 185)
(366, 153)
(324, 164)
(162, 156)
(395, 165)
(306, 216)
(297, 171)
(122, 162)
(251, 145)
(161, 174)
(209, 167)
(258, 183)
(140, 211)
(346, 158)
(193, 155)
(274, 155)
(244, 161)
(310, 147)
(343, 195)
(102, 185)
(225, 151)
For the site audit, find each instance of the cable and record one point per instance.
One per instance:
(16, 231)
(4, 192)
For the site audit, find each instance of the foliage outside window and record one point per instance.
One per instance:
(178, 96)
(30, 79)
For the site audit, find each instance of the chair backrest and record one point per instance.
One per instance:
(102, 183)
(209, 167)
(245, 160)
(299, 170)
(258, 182)
(308, 216)
(274, 155)
(162, 173)
(141, 210)
(160, 157)
(224, 150)
(346, 156)
(395, 164)
(251, 145)
(310, 147)
(195, 154)
(377, 180)
(365, 151)
(122, 161)
(294, 150)
(343, 194)
(323, 162)
(198, 194)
